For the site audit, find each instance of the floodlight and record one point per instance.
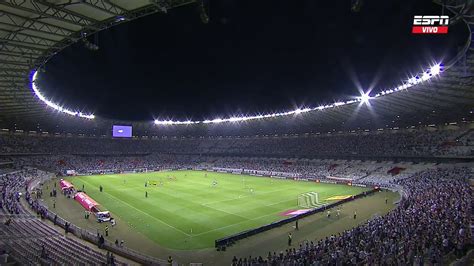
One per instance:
(411, 80)
(365, 97)
(235, 119)
(51, 104)
(435, 70)
(119, 18)
(425, 76)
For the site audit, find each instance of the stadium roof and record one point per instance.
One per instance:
(31, 32)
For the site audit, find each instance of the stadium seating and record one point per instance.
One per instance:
(429, 226)
(30, 241)
(27, 236)
(409, 142)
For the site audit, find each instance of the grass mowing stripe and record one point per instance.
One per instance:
(188, 213)
(252, 219)
(153, 217)
(255, 195)
(267, 205)
(224, 211)
(203, 205)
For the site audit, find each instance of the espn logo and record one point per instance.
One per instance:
(426, 25)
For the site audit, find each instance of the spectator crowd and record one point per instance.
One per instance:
(431, 222)
(414, 142)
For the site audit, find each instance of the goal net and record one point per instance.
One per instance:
(308, 200)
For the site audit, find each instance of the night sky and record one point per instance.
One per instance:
(253, 57)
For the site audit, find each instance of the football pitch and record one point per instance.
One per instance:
(188, 210)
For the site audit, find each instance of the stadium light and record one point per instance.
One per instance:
(425, 76)
(364, 98)
(120, 18)
(50, 103)
(435, 70)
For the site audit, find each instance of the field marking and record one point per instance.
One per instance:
(205, 205)
(248, 219)
(243, 197)
(219, 210)
(159, 220)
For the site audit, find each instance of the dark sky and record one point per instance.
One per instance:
(253, 57)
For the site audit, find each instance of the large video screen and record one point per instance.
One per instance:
(122, 131)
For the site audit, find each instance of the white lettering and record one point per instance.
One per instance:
(431, 20)
(429, 29)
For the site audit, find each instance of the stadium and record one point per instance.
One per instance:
(159, 132)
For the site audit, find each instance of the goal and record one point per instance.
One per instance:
(308, 200)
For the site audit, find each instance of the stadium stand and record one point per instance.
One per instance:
(409, 176)
(284, 156)
(429, 122)
(429, 225)
(30, 240)
(404, 143)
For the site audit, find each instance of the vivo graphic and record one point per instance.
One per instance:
(430, 25)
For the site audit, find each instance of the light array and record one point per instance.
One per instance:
(53, 105)
(424, 76)
(364, 99)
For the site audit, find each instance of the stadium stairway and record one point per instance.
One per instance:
(26, 237)
(29, 240)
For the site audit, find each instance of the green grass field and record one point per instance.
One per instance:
(189, 213)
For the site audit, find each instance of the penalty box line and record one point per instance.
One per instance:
(153, 217)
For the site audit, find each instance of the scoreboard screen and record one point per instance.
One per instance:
(121, 131)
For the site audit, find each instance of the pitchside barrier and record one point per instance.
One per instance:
(222, 243)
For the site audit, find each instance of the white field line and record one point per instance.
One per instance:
(256, 218)
(224, 211)
(205, 204)
(147, 214)
(219, 201)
